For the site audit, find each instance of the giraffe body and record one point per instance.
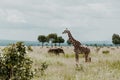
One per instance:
(78, 48)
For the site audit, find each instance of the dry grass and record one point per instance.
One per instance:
(102, 67)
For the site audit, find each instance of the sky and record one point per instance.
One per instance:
(88, 20)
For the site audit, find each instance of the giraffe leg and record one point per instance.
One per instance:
(89, 58)
(86, 57)
(77, 58)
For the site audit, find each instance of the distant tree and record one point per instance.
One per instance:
(60, 40)
(116, 39)
(55, 41)
(52, 37)
(95, 45)
(68, 42)
(43, 39)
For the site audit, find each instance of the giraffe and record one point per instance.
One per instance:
(78, 48)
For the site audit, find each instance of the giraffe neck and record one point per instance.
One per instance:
(71, 38)
(75, 43)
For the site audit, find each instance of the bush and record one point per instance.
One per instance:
(14, 64)
(41, 70)
(106, 52)
(29, 48)
(44, 66)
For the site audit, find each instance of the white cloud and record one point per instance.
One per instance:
(3, 15)
(15, 16)
(45, 16)
(12, 16)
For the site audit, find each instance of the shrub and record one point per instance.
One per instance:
(44, 66)
(14, 64)
(29, 48)
(41, 69)
(106, 52)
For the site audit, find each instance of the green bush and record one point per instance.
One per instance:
(29, 48)
(106, 52)
(44, 66)
(41, 70)
(14, 64)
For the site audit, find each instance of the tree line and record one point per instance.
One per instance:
(51, 38)
(54, 38)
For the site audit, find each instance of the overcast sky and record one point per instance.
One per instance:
(88, 20)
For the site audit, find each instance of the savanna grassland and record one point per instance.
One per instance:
(105, 64)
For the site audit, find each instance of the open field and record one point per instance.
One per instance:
(105, 64)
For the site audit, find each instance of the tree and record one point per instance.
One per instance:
(14, 64)
(68, 42)
(52, 37)
(42, 38)
(116, 39)
(55, 41)
(60, 40)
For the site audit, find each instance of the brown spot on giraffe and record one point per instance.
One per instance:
(78, 48)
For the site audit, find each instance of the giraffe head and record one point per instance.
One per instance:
(65, 31)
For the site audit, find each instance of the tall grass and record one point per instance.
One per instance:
(102, 67)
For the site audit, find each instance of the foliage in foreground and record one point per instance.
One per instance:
(41, 69)
(14, 64)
